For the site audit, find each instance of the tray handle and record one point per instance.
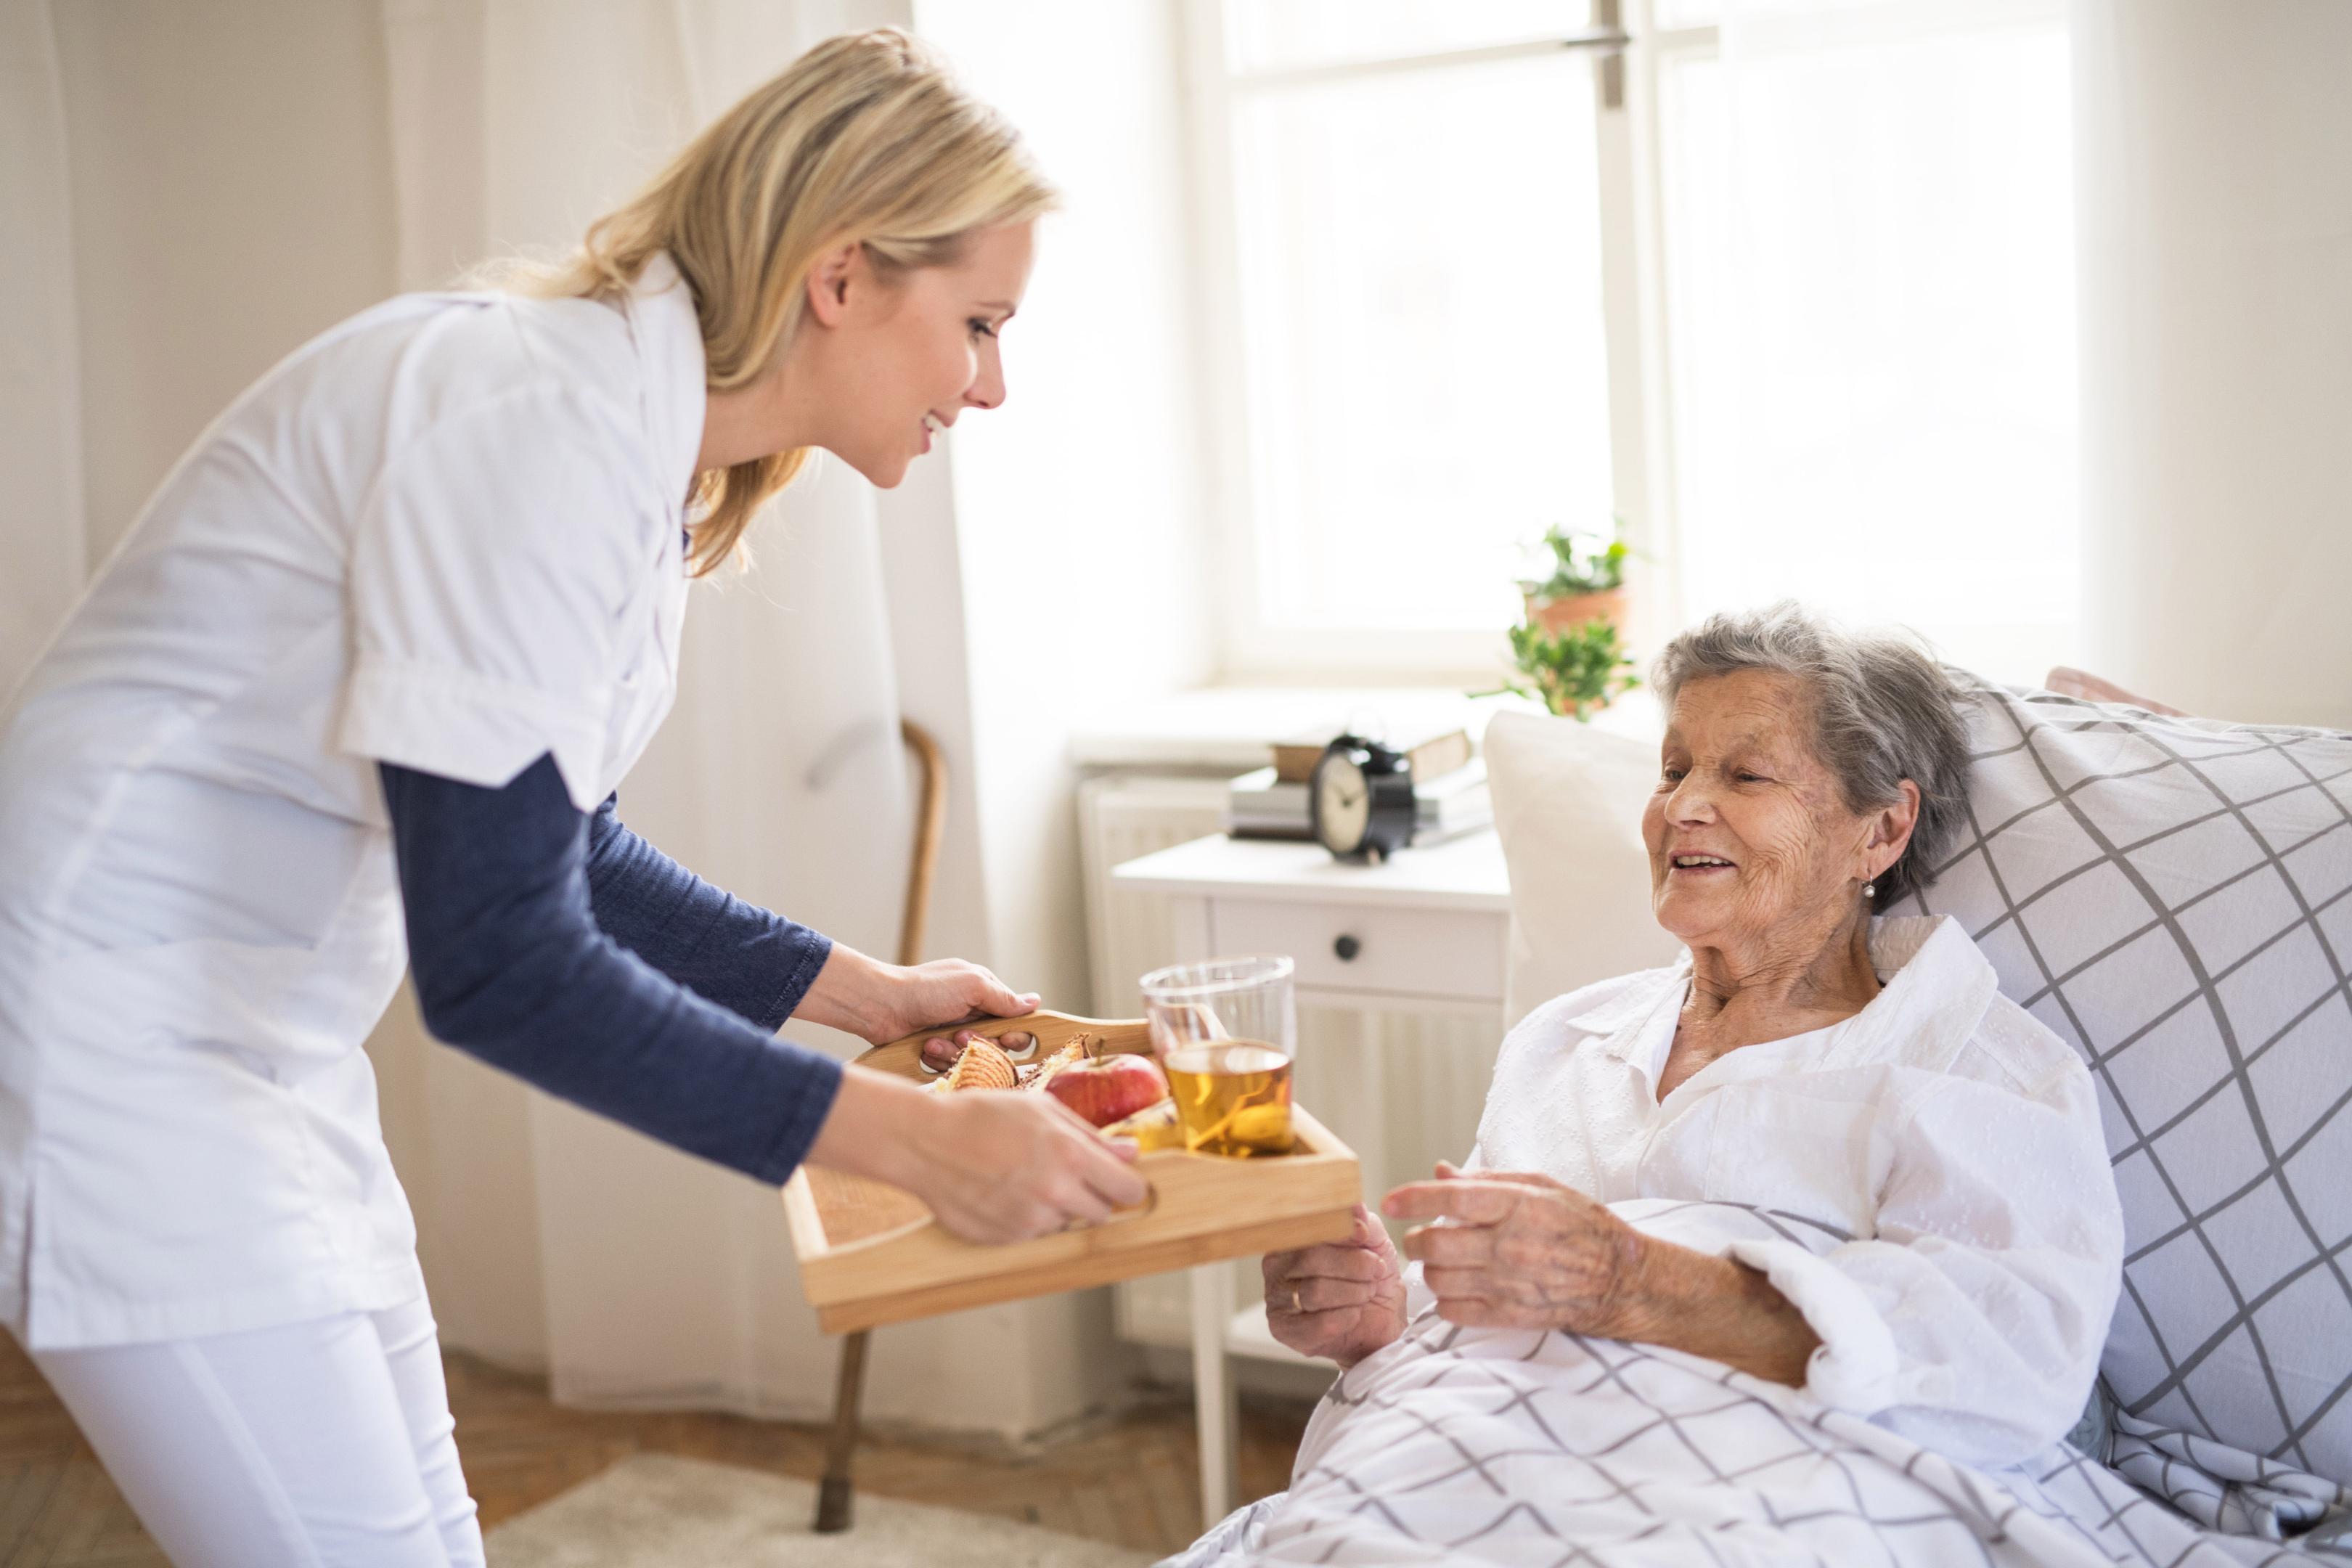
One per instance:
(1054, 1030)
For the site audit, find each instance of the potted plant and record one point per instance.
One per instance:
(1574, 673)
(1587, 581)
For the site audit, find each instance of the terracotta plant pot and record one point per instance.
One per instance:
(1557, 615)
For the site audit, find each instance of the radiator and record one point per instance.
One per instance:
(1121, 816)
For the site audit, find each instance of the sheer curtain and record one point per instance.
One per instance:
(1869, 226)
(42, 563)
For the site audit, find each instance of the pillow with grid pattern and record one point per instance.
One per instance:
(2174, 898)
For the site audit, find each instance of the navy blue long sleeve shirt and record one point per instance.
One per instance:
(567, 950)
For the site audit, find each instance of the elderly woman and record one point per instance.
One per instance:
(1752, 1249)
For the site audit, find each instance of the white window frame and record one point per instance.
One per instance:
(1634, 326)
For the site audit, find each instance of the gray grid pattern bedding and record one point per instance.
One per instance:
(2174, 899)
(1869, 1509)
(1495, 1449)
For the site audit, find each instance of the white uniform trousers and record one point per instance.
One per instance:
(325, 1444)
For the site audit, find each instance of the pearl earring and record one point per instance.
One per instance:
(1870, 889)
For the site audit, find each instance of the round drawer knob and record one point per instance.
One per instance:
(1347, 947)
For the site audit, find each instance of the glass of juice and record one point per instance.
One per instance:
(1224, 1032)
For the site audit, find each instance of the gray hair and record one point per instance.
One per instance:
(1884, 710)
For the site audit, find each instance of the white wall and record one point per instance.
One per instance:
(2215, 172)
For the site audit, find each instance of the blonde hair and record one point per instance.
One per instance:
(866, 138)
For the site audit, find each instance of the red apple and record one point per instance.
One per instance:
(1109, 1089)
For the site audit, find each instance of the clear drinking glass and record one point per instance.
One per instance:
(1224, 1032)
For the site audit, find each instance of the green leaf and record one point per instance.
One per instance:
(1583, 562)
(1575, 672)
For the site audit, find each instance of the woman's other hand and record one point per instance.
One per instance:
(1007, 1167)
(1343, 1300)
(881, 1002)
(1506, 1250)
(994, 1165)
(1512, 1250)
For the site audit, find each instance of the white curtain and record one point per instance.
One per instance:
(1869, 221)
(42, 561)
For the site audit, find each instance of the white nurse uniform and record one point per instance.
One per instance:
(445, 534)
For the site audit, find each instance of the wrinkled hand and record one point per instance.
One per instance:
(1508, 1250)
(1006, 1166)
(883, 1002)
(1343, 1300)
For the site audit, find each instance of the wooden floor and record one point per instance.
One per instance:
(1128, 1480)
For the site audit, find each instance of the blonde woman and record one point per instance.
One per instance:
(358, 688)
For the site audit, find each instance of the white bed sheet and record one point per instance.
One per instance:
(1487, 1447)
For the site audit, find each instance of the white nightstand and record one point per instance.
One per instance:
(1429, 932)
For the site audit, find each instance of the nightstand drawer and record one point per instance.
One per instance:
(1410, 952)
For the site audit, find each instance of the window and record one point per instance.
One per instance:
(1870, 305)
(1798, 308)
(1410, 193)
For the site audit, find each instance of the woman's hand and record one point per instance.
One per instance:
(994, 1165)
(883, 1002)
(1007, 1167)
(1506, 1250)
(1343, 1300)
(1521, 1251)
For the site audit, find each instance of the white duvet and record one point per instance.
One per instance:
(1479, 1447)
(1927, 1181)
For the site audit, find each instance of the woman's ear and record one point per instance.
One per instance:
(835, 274)
(1890, 829)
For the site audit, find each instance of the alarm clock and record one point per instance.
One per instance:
(1360, 800)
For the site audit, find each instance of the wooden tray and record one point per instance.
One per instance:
(872, 1253)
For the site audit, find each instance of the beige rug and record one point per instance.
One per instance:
(652, 1511)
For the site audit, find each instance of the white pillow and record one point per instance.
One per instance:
(1568, 806)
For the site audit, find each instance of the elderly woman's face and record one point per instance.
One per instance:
(1748, 833)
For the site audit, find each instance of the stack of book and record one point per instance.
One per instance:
(1449, 790)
